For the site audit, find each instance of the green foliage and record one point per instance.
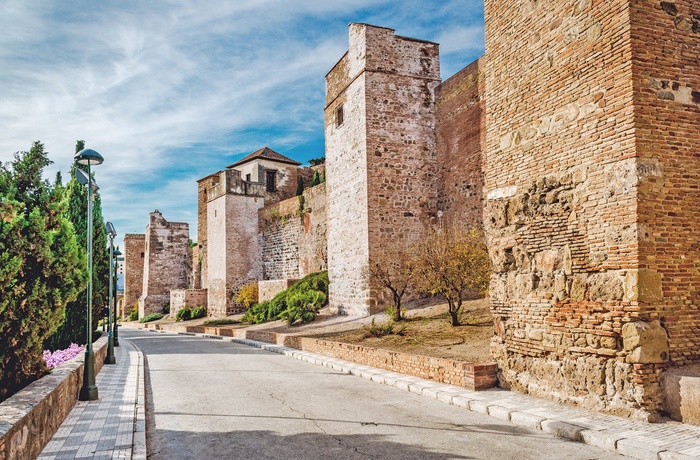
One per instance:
(74, 329)
(166, 309)
(316, 179)
(317, 161)
(297, 304)
(198, 312)
(248, 295)
(220, 322)
(184, 314)
(386, 329)
(151, 317)
(134, 313)
(41, 268)
(300, 186)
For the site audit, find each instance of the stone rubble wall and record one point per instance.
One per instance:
(268, 289)
(294, 242)
(167, 265)
(134, 256)
(186, 298)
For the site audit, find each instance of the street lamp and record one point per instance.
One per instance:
(88, 392)
(115, 326)
(110, 358)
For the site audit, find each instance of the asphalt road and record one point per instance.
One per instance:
(209, 399)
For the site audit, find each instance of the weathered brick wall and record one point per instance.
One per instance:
(166, 263)
(461, 138)
(268, 289)
(134, 254)
(293, 232)
(666, 70)
(475, 376)
(234, 249)
(582, 261)
(381, 159)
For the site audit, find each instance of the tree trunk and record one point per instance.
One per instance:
(397, 307)
(455, 317)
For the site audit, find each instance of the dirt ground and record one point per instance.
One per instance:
(428, 331)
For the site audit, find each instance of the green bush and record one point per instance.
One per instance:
(386, 329)
(184, 314)
(151, 317)
(297, 305)
(198, 312)
(220, 322)
(166, 309)
(134, 313)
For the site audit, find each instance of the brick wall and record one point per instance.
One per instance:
(167, 265)
(204, 186)
(586, 170)
(461, 137)
(666, 74)
(381, 159)
(186, 298)
(134, 253)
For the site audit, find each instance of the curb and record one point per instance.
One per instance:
(139, 450)
(670, 441)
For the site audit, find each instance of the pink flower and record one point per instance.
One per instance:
(61, 356)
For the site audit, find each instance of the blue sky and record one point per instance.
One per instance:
(171, 91)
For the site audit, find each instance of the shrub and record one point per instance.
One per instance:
(166, 309)
(386, 329)
(151, 317)
(297, 304)
(183, 314)
(198, 312)
(220, 322)
(134, 314)
(248, 295)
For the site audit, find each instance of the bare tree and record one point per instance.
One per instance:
(393, 270)
(453, 262)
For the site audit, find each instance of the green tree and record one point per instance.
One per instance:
(73, 329)
(453, 262)
(300, 185)
(40, 266)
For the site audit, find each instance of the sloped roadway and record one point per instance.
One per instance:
(210, 399)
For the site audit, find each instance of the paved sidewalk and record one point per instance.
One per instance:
(114, 425)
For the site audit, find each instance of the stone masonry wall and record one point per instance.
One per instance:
(381, 159)
(233, 249)
(199, 264)
(134, 254)
(166, 263)
(666, 76)
(461, 139)
(293, 232)
(562, 186)
(186, 298)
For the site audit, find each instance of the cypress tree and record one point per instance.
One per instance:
(40, 266)
(73, 329)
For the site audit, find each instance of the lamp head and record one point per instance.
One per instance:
(88, 157)
(110, 229)
(117, 252)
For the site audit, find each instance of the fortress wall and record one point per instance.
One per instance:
(461, 139)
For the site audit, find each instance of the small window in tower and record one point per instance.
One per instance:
(339, 116)
(142, 254)
(247, 177)
(270, 181)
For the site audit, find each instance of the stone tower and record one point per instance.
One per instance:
(166, 262)
(592, 186)
(134, 254)
(380, 155)
(233, 247)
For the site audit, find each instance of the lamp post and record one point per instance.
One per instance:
(115, 326)
(88, 392)
(110, 358)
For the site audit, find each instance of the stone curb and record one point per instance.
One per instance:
(672, 441)
(139, 450)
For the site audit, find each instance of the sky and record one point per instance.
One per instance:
(169, 92)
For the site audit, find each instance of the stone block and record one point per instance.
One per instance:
(645, 342)
(681, 391)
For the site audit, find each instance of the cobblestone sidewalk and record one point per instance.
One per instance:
(114, 425)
